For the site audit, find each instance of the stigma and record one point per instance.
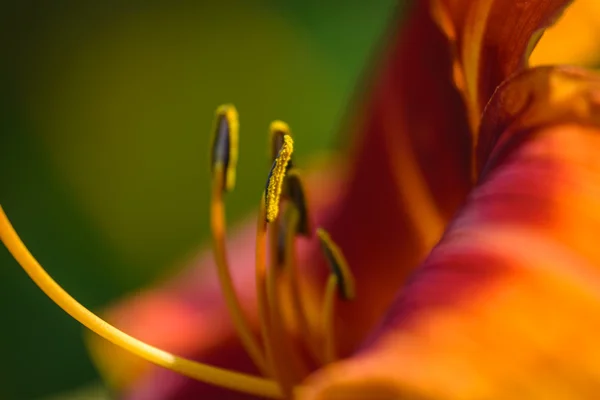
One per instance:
(285, 348)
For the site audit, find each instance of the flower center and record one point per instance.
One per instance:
(283, 215)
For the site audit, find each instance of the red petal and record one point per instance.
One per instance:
(410, 171)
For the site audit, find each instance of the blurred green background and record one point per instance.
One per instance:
(105, 112)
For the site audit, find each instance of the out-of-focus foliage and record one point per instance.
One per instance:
(105, 111)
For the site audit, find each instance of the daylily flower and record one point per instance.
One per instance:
(466, 210)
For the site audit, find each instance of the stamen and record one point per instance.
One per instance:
(281, 356)
(276, 177)
(224, 157)
(224, 145)
(331, 287)
(277, 132)
(294, 191)
(262, 297)
(275, 319)
(292, 221)
(287, 357)
(278, 231)
(279, 351)
(340, 279)
(217, 218)
(285, 362)
(279, 359)
(337, 263)
(198, 371)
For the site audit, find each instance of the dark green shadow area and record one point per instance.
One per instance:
(42, 350)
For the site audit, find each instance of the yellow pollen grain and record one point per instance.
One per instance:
(276, 178)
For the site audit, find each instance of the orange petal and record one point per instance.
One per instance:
(535, 98)
(492, 39)
(574, 39)
(507, 305)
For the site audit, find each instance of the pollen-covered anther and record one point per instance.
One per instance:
(224, 145)
(276, 177)
(338, 264)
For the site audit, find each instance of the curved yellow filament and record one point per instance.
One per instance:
(282, 362)
(261, 288)
(286, 354)
(217, 219)
(328, 322)
(338, 264)
(292, 268)
(201, 372)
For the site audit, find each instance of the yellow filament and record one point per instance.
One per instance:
(217, 217)
(201, 372)
(275, 325)
(328, 322)
(287, 356)
(296, 194)
(230, 113)
(340, 279)
(261, 289)
(338, 264)
(292, 269)
(276, 176)
(281, 357)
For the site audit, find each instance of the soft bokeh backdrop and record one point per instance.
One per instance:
(105, 112)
